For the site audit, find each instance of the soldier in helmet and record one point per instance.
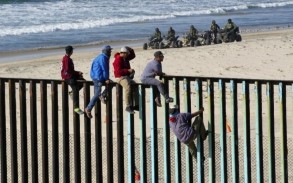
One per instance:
(157, 34)
(171, 34)
(193, 33)
(231, 27)
(215, 28)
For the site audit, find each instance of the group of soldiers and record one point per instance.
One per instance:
(229, 28)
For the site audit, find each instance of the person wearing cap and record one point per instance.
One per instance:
(184, 131)
(124, 76)
(100, 75)
(148, 76)
(70, 76)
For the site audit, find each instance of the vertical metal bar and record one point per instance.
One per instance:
(109, 136)
(3, 155)
(154, 136)
(177, 143)
(120, 136)
(87, 137)
(200, 144)
(98, 145)
(284, 156)
(259, 132)
(65, 132)
(76, 144)
(143, 140)
(166, 129)
(271, 132)
(23, 129)
(13, 131)
(55, 132)
(211, 128)
(234, 121)
(44, 126)
(223, 141)
(246, 121)
(187, 108)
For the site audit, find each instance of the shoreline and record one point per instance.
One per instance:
(38, 53)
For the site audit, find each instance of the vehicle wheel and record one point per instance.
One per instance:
(156, 45)
(174, 45)
(192, 43)
(179, 44)
(197, 43)
(145, 46)
(161, 45)
(238, 38)
(207, 42)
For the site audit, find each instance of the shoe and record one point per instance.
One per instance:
(158, 102)
(102, 99)
(205, 135)
(88, 113)
(169, 100)
(70, 95)
(78, 111)
(129, 109)
(136, 107)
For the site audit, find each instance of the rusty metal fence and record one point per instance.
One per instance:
(43, 140)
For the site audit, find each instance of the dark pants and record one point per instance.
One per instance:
(75, 86)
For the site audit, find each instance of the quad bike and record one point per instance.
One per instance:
(190, 41)
(208, 38)
(152, 43)
(230, 36)
(168, 43)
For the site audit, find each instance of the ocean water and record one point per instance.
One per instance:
(35, 24)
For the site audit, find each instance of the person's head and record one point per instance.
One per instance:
(213, 22)
(157, 29)
(124, 52)
(174, 109)
(229, 20)
(170, 28)
(159, 56)
(107, 50)
(69, 50)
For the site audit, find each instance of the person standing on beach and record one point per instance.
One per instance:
(100, 75)
(185, 132)
(215, 28)
(153, 69)
(70, 76)
(124, 75)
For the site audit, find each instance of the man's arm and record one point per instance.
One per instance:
(197, 112)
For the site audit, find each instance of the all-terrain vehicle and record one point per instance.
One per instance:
(167, 43)
(190, 41)
(230, 36)
(152, 43)
(208, 38)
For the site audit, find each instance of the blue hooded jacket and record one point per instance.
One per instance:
(100, 68)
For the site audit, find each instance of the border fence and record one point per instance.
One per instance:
(43, 140)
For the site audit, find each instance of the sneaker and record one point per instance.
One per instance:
(169, 100)
(102, 99)
(78, 111)
(158, 102)
(70, 95)
(129, 109)
(136, 107)
(88, 113)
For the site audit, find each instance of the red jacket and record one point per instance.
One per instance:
(67, 68)
(122, 65)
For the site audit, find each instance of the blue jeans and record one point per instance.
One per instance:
(97, 88)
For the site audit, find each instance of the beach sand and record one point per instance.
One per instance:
(261, 55)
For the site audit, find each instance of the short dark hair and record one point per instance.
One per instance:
(158, 54)
(68, 49)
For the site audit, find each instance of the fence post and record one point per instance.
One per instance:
(154, 136)
(143, 140)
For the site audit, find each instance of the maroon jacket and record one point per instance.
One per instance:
(67, 68)
(120, 65)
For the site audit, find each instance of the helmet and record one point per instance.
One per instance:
(229, 20)
(157, 29)
(213, 22)
(171, 28)
(192, 27)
